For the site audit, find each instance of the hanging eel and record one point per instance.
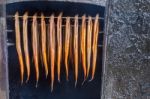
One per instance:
(94, 46)
(89, 41)
(67, 39)
(59, 44)
(83, 45)
(35, 46)
(52, 48)
(25, 43)
(18, 46)
(75, 46)
(43, 43)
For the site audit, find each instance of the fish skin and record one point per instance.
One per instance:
(35, 46)
(52, 48)
(25, 43)
(89, 41)
(43, 43)
(76, 48)
(83, 45)
(67, 39)
(95, 41)
(18, 46)
(59, 44)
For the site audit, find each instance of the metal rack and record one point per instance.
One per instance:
(47, 17)
(12, 16)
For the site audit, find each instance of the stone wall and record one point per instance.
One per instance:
(126, 71)
(3, 60)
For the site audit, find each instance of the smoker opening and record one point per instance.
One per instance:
(64, 89)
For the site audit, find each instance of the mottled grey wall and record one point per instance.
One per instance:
(3, 59)
(97, 2)
(126, 68)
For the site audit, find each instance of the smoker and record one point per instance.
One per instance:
(63, 89)
(124, 46)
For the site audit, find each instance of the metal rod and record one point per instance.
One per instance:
(11, 16)
(102, 32)
(9, 30)
(100, 45)
(13, 44)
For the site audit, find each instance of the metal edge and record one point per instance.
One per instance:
(73, 1)
(104, 67)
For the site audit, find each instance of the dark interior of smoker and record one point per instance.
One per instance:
(64, 89)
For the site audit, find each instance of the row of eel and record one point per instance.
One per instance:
(47, 45)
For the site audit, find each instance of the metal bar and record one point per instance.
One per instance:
(55, 26)
(9, 30)
(100, 45)
(11, 16)
(102, 32)
(9, 44)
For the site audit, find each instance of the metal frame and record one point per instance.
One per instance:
(4, 79)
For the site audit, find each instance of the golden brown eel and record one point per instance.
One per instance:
(89, 41)
(35, 46)
(25, 43)
(67, 39)
(59, 44)
(43, 43)
(75, 45)
(18, 46)
(52, 48)
(94, 46)
(83, 45)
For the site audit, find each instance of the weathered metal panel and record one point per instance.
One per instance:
(126, 71)
(97, 2)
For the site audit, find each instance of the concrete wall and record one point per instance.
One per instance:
(3, 59)
(126, 69)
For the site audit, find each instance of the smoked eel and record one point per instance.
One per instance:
(25, 43)
(83, 45)
(55, 39)
(67, 39)
(89, 43)
(52, 48)
(43, 43)
(94, 46)
(71, 57)
(59, 44)
(75, 46)
(18, 46)
(35, 46)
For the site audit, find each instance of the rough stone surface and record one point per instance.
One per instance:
(126, 68)
(3, 63)
(97, 2)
